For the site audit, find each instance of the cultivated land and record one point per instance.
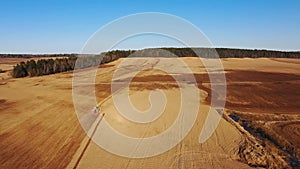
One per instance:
(39, 127)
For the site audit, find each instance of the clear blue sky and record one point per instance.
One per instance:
(58, 26)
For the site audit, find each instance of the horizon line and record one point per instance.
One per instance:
(217, 47)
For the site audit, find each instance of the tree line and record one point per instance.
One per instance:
(200, 52)
(51, 66)
(217, 52)
(43, 67)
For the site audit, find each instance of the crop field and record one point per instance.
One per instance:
(260, 126)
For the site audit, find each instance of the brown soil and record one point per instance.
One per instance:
(39, 128)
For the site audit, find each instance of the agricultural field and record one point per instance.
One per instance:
(260, 125)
